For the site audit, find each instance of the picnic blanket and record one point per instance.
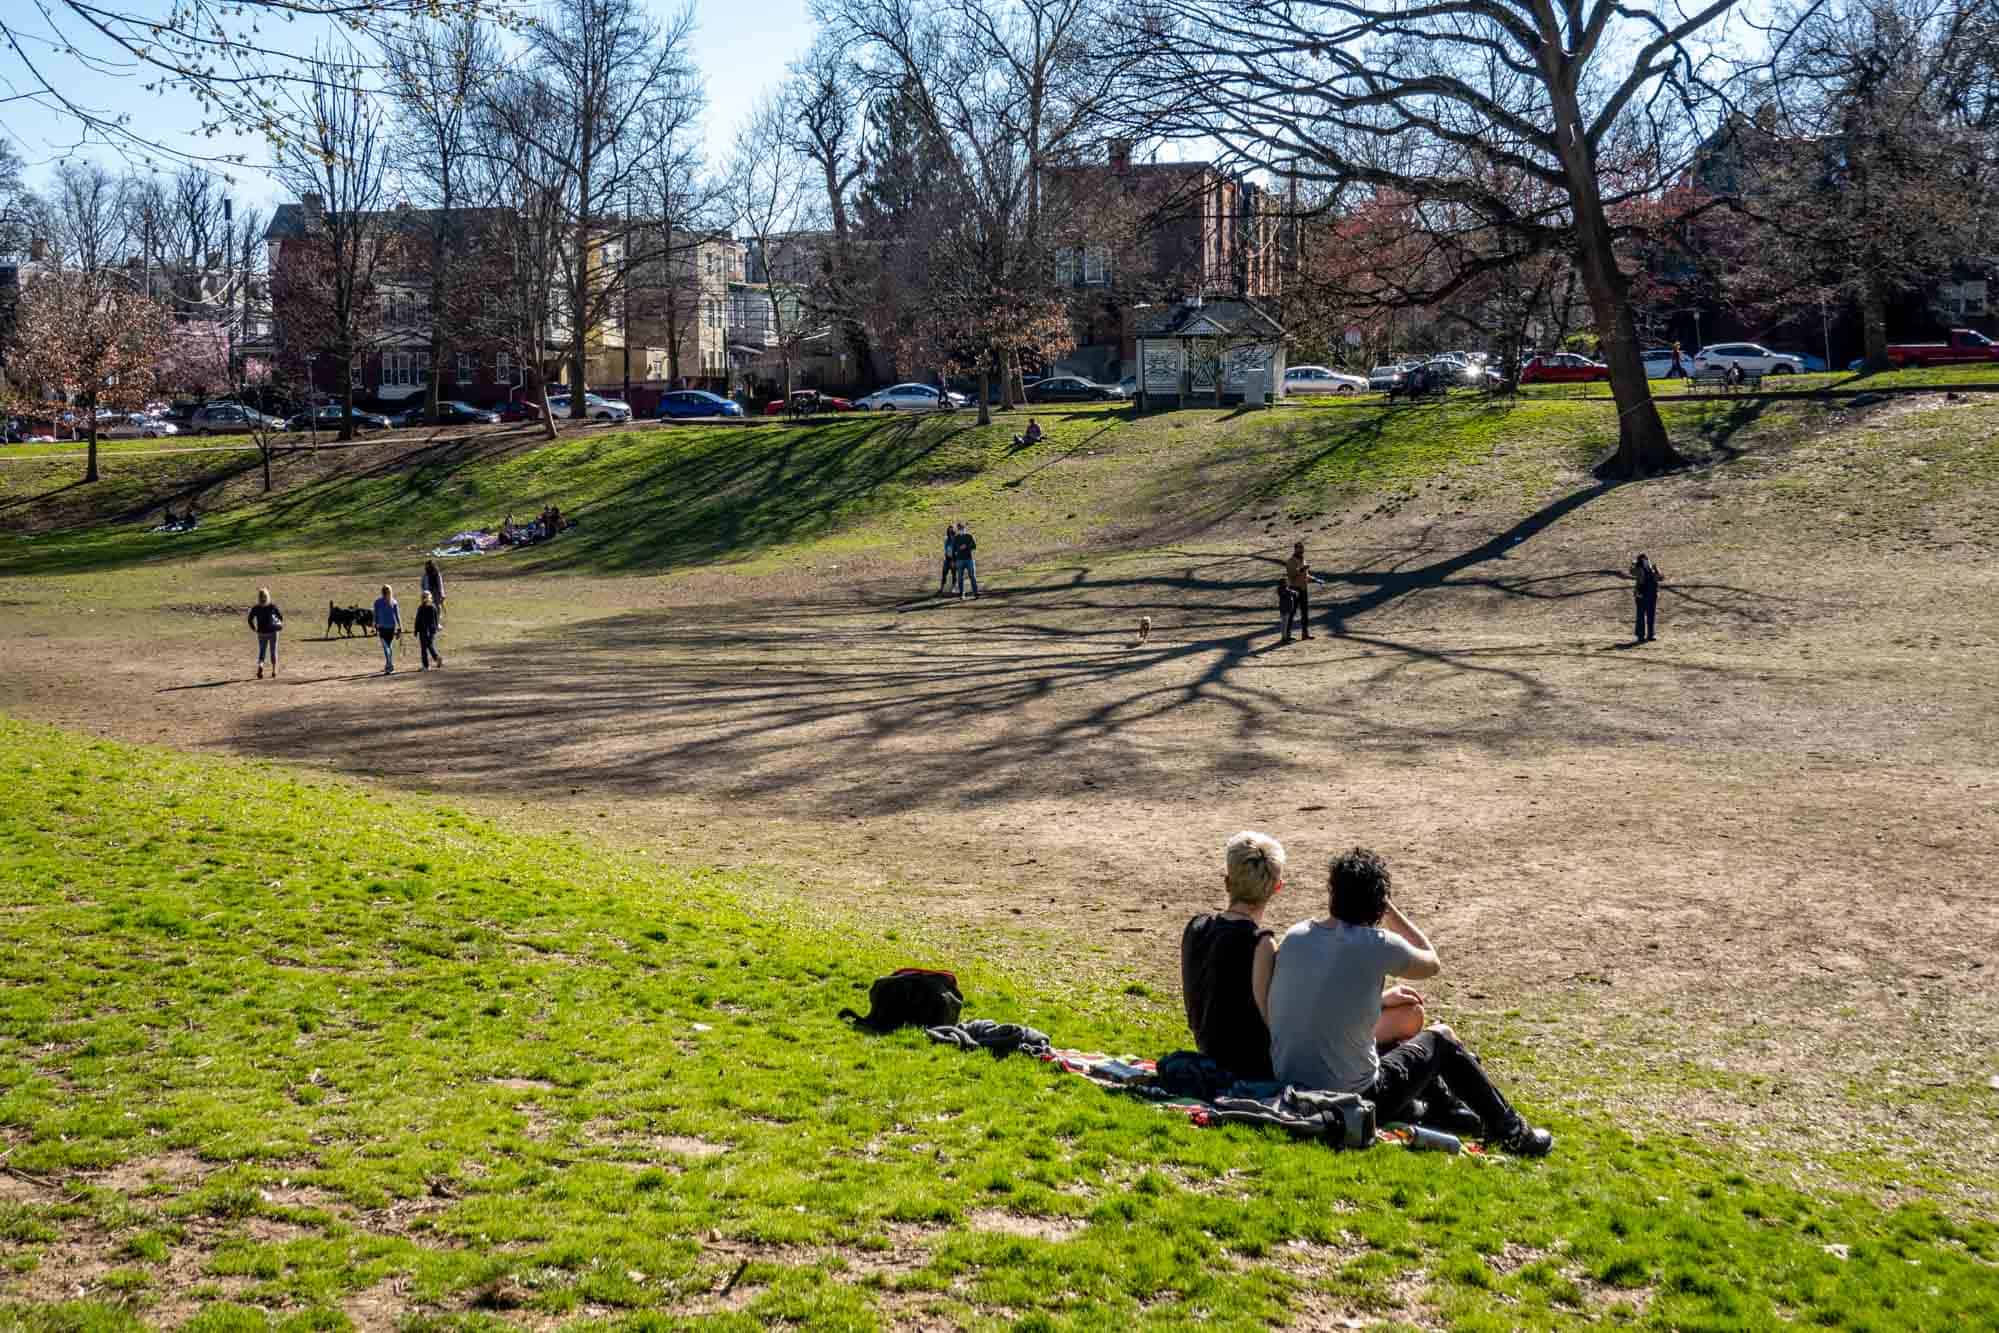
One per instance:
(1339, 1119)
(467, 543)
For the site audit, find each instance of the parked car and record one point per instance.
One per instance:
(1963, 345)
(915, 398)
(1320, 379)
(1069, 389)
(1751, 358)
(695, 403)
(520, 409)
(1564, 368)
(1383, 378)
(594, 407)
(1128, 386)
(327, 417)
(455, 412)
(807, 401)
(151, 427)
(229, 418)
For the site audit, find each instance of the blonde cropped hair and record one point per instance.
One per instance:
(1255, 866)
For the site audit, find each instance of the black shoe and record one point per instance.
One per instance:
(1528, 1141)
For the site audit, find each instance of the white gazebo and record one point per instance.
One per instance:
(1199, 352)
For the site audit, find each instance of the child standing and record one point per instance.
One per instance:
(267, 620)
(426, 631)
(388, 624)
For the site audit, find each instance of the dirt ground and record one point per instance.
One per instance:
(1739, 881)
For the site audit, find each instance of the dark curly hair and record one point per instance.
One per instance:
(1359, 883)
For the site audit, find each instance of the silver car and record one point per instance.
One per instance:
(909, 397)
(1320, 379)
(229, 419)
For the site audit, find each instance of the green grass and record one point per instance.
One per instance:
(407, 1045)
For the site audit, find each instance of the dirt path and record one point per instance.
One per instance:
(1740, 878)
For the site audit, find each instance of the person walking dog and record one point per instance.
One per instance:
(426, 631)
(267, 620)
(1645, 596)
(433, 583)
(388, 624)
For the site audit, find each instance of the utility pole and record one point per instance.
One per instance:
(229, 280)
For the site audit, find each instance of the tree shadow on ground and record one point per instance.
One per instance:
(874, 702)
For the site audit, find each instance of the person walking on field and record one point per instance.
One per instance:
(950, 552)
(267, 620)
(1645, 594)
(388, 624)
(1298, 581)
(433, 583)
(426, 631)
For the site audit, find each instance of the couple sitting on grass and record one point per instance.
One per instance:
(1309, 1011)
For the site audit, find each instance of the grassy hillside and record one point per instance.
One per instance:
(667, 498)
(277, 1049)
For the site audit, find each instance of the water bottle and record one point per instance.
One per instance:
(1434, 1140)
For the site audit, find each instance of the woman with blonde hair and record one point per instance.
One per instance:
(388, 624)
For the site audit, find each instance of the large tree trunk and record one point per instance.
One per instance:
(90, 464)
(538, 387)
(985, 379)
(1642, 446)
(1874, 322)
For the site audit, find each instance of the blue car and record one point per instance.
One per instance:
(697, 403)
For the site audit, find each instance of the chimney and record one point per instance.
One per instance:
(1119, 153)
(314, 207)
(38, 250)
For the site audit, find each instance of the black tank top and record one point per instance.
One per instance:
(1216, 954)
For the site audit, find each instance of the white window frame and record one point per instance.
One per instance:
(1065, 266)
(503, 367)
(1096, 265)
(466, 372)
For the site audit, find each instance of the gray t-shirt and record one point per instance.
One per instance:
(1325, 999)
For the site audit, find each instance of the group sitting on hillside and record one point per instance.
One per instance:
(1310, 1010)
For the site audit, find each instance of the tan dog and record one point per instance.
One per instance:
(1144, 631)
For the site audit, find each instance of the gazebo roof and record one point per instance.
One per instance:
(1206, 319)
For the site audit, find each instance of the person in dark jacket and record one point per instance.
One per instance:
(1645, 594)
(963, 565)
(950, 550)
(433, 583)
(426, 631)
(267, 620)
(388, 624)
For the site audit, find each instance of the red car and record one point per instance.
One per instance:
(520, 409)
(1563, 368)
(804, 402)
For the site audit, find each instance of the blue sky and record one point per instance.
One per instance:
(741, 47)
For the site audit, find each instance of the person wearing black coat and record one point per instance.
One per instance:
(267, 620)
(1645, 595)
(426, 631)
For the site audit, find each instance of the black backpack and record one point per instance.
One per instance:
(910, 995)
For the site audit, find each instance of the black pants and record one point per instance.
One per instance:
(428, 642)
(1408, 1071)
(1301, 606)
(1647, 626)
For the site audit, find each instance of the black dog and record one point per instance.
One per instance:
(348, 619)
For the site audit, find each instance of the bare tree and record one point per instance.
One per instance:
(676, 207)
(238, 60)
(1872, 167)
(337, 164)
(438, 72)
(617, 83)
(766, 194)
(525, 247)
(1590, 101)
(85, 217)
(827, 102)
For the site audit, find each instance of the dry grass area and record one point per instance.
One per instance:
(1740, 881)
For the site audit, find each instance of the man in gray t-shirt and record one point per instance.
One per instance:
(1324, 1000)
